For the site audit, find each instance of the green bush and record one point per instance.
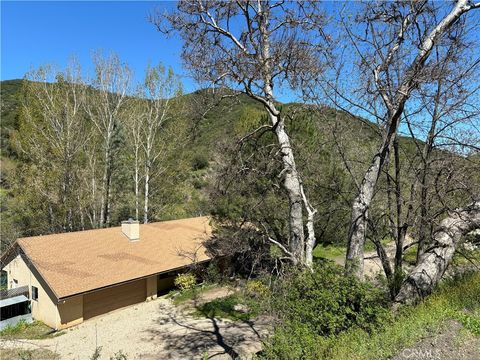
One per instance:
(455, 299)
(314, 306)
(293, 341)
(257, 289)
(212, 273)
(328, 301)
(185, 281)
(199, 162)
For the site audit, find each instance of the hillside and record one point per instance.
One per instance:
(219, 122)
(193, 167)
(9, 107)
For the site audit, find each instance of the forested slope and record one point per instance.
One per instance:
(333, 148)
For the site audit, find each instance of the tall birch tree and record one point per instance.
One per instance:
(160, 89)
(53, 134)
(111, 83)
(149, 138)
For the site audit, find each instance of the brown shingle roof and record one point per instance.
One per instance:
(77, 262)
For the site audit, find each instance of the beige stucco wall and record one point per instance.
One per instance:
(18, 270)
(44, 308)
(151, 284)
(70, 311)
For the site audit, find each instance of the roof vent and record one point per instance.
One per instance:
(131, 229)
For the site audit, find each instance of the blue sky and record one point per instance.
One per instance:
(40, 32)
(35, 33)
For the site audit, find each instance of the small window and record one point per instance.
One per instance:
(34, 293)
(14, 284)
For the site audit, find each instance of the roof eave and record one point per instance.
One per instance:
(66, 297)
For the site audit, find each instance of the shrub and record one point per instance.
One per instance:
(185, 281)
(212, 274)
(119, 355)
(293, 341)
(315, 306)
(199, 162)
(456, 298)
(328, 301)
(257, 289)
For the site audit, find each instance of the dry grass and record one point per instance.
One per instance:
(19, 354)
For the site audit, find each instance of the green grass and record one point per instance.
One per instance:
(330, 252)
(458, 300)
(467, 257)
(410, 256)
(335, 252)
(225, 308)
(34, 330)
(180, 296)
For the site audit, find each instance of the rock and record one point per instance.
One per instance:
(241, 308)
(469, 246)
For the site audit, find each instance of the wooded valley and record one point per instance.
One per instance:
(378, 151)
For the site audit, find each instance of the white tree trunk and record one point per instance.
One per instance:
(292, 182)
(293, 187)
(93, 192)
(310, 242)
(358, 225)
(434, 261)
(147, 195)
(104, 202)
(137, 180)
(102, 197)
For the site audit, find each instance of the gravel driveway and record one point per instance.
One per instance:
(154, 330)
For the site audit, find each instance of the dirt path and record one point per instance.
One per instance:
(154, 330)
(372, 264)
(206, 296)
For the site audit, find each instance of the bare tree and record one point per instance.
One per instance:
(54, 133)
(103, 106)
(253, 47)
(393, 30)
(452, 110)
(161, 87)
(148, 136)
(445, 106)
(133, 121)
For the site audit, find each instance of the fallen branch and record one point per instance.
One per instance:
(432, 265)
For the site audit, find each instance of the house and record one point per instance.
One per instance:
(14, 306)
(72, 277)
